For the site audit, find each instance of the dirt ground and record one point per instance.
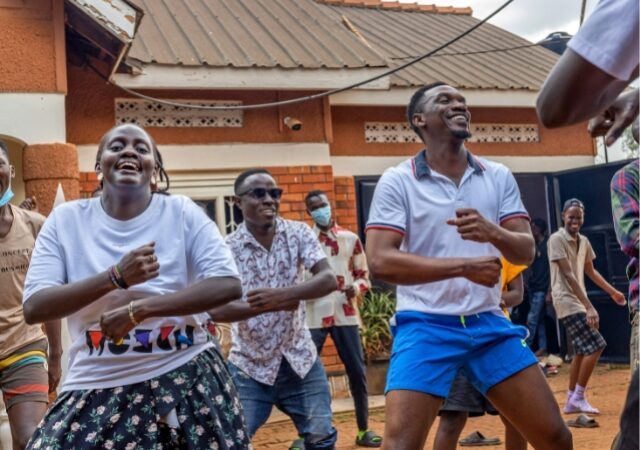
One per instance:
(607, 392)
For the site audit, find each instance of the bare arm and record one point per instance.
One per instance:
(576, 91)
(388, 263)
(259, 301)
(513, 238)
(53, 329)
(201, 296)
(598, 279)
(515, 292)
(61, 301)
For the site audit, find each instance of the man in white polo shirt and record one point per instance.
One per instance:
(437, 226)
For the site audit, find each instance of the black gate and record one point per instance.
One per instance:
(543, 195)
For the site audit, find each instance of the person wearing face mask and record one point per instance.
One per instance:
(29, 365)
(337, 313)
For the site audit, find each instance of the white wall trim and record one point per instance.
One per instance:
(157, 76)
(34, 118)
(375, 165)
(227, 156)
(401, 96)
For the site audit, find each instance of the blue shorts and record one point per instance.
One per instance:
(430, 349)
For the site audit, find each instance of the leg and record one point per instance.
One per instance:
(319, 335)
(536, 301)
(512, 437)
(408, 418)
(586, 367)
(23, 419)
(628, 437)
(451, 425)
(308, 402)
(529, 387)
(257, 399)
(574, 371)
(347, 340)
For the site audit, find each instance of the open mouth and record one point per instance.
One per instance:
(268, 212)
(129, 166)
(459, 118)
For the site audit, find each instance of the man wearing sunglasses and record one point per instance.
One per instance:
(273, 359)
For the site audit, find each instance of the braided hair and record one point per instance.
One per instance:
(162, 173)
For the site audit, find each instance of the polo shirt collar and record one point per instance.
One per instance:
(421, 166)
(565, 234)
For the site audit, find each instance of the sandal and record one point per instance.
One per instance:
(368, 439)
(477, 439)
(583, 421)
(298, 444)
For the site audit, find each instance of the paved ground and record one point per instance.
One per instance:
(607, 392)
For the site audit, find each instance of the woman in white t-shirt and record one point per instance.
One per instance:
(134, 272)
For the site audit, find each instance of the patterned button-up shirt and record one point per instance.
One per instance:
(258, 344)
(624, 202)
(348, 261)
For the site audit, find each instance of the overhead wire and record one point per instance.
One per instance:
(319, 95)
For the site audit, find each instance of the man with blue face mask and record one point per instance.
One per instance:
(337, 313)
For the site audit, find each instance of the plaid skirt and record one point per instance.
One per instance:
(195, 406)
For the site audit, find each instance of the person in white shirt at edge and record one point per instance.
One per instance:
(273, 360)
(142, 372)
(443, 254)
(337, 313)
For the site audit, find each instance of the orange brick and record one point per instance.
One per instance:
(278, 170)
(289, 179)
(340, 189)
(327, 187)
(314, 178)
(299, 169)
(292, 197)
(298, 206)
(299, 188)
(285, 207)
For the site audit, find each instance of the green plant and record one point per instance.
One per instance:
(376, 311)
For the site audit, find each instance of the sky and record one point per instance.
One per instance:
(531, 19)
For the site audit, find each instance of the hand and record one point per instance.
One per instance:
(484, 271)
(271, 299)
(618, 297)
(593, 319)
(54, 370)
(350, 291)
(472, 226)
(140, 265)
(613, 121)
(116, 324)
(29, 203)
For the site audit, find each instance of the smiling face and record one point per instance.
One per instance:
(126, 157)
(7, 172)
(573, 219)
(258, 212)
(443, 112)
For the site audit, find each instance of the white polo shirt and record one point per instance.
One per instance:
(416, 201)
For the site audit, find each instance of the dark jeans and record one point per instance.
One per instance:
(306, 400)
(628, 438)
(349, 346)
(535, 320)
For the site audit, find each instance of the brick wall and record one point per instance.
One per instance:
(346, 210)
(88, 184)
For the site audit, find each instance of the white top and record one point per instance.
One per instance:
(415, 201)
(79, 240)
(608, 39)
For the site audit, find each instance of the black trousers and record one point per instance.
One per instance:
(628, 438)
(349, 346)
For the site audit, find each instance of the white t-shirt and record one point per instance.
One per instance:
(609, 38)
(79, 240)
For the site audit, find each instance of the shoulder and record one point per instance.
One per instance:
(29, 217)
(403, 171)
(348, 234)
(295, 226)
(625, 175)
(495, 169)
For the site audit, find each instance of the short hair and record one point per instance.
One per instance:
(4, 149)
(316, 193)
(246, 174)
(571, 203)
(541, 224)
(415, 100)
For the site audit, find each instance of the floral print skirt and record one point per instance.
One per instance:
(195, 406)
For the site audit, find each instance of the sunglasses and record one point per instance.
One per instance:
(260, 193)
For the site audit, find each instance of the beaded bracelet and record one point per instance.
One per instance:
(116, 277)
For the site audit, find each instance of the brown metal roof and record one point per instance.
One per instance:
(402, 34)
(248, 33)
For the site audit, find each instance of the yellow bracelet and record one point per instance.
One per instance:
(131, 316)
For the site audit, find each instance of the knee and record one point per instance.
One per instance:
(560, 437)
(452, 423)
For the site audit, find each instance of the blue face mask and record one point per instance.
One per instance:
(322, 216)
(8, 195)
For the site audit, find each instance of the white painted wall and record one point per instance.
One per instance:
(33, 118)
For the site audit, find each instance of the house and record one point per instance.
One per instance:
(56, 101)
